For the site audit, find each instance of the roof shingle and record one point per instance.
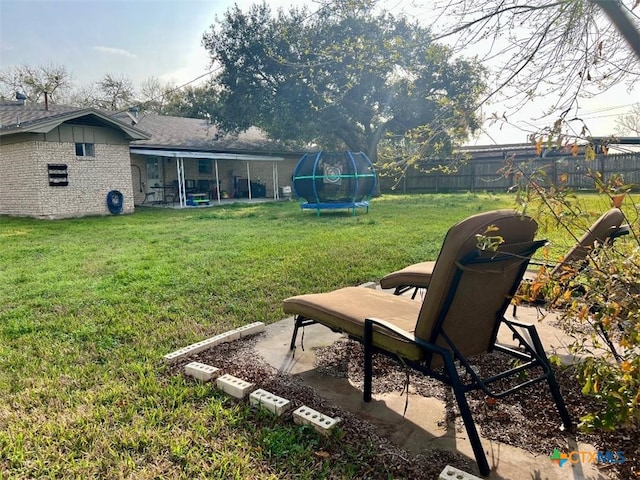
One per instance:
(198, 134)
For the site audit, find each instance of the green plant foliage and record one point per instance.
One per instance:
(598, 299)
(348, 75)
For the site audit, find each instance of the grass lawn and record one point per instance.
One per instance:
(89, 306)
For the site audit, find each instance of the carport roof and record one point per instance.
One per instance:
(183, 134)
(163, 152)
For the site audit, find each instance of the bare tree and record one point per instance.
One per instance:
(629, 123)
(115, 92)
(562, 50)
(31, 81)
(154, 94)
(83, 96)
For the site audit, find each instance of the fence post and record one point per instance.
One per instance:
(472, 181)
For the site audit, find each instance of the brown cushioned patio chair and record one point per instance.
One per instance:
(604, 229)
(465, 305)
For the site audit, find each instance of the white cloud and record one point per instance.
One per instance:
(115, 51)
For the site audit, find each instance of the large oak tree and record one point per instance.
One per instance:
(348, 75)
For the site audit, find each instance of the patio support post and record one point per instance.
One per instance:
(217, 182)
(181, 190)
(248, 180)
(274, 169)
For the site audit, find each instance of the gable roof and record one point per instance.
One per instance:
(180, 133)
(18, 117)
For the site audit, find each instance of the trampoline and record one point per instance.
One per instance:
(329, 181)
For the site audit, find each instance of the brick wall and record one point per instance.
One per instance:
(24, 183)
(18, 162)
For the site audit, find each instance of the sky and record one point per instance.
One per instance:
(162, 38)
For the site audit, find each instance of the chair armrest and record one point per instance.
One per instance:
(369, 349)
(541, 263)
(620, 231)
(394, 328)
(518, 323)
(370, 322)
(528, 335)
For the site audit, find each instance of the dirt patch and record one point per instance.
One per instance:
(527, 419)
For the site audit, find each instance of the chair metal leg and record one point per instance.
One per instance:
(405, 288)
(296, 326)
(560, 405)
(465, 413)
(551, 380)
(300, 321)
(368, 359)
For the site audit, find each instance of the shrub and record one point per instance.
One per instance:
(598, 302)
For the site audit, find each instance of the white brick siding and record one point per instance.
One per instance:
(24, 184)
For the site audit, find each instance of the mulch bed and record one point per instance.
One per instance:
(527, 419)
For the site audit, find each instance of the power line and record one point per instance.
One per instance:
(174, 89)
(210, 72)
(607, 109)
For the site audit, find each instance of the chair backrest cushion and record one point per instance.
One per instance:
(599, 232)
(470, 318)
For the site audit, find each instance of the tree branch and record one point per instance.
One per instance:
(488, 16)
(622, 23)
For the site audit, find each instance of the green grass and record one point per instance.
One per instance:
(88, 307)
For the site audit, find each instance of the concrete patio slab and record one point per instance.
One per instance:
(423, 427)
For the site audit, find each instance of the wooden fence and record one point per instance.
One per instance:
(485, 174)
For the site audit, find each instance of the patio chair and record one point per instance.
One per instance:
(459, 317)
(605, 229)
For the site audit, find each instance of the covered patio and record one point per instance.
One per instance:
(190, 162)
(195, 178)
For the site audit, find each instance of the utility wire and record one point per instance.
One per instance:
(210, 72)
(169, 92)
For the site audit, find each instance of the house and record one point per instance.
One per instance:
(61, 161)
(189, 160)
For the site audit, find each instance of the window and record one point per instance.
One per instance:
(85, 150)
(204, 166)
(58, 176)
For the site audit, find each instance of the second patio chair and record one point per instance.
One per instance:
(460, 316)
(604, 229)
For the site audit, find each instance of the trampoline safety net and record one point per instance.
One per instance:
(334, 180)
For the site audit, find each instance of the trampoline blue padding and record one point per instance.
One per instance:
(335, 206)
